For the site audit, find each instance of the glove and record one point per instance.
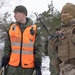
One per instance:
(38, 67)
(5, 61)
(38, 72)
(2, 70)
(37, 64)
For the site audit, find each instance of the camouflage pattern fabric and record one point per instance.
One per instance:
(51, 67)
(53, 70)
(52, 55)
(67, 69)
(19, 71)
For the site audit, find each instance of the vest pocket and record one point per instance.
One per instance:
(63, 51)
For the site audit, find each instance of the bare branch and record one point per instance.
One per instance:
(4, 2)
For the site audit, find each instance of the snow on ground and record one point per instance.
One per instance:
(45, 65)
(1, 45)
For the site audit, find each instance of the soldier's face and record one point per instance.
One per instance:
(66, 17)
(58, 32)
(19, 17)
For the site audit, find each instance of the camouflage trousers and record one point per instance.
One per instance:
(68, 69)
(53, 70)
(19, 71)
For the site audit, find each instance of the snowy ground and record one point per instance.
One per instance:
(45, 61)
(45, 65)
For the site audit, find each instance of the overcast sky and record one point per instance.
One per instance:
(38, 5)
(35, 5)
(41, 5)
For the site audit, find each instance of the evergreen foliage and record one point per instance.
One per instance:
(51, 19)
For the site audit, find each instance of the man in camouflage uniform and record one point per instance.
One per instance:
(54, 63)
(22, 22)
(66, 48)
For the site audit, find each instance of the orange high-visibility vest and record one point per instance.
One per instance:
(22, 45)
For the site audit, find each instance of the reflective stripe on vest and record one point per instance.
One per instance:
(27, 50)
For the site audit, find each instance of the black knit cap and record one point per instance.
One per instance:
(21, 9)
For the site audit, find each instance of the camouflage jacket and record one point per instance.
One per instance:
(37, 44)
